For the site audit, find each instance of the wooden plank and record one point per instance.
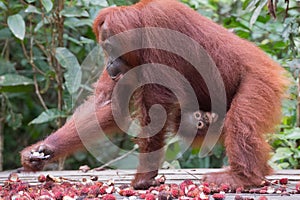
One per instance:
(180, 174)
(172, 176)
(127, 175)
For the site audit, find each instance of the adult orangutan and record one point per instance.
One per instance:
(253, 83)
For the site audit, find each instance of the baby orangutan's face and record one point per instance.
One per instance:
(204, 119)
(198, 120)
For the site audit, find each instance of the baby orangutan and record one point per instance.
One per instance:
(204, 119)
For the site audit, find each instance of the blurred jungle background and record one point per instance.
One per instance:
(48, 62)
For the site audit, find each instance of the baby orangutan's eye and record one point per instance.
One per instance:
(197, 115)
(200, 125)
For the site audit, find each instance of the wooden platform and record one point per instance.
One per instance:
(172, 176)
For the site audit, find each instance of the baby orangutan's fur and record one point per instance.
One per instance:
(254, 87)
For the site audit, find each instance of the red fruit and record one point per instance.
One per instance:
(185, 183)
(94, 190)
(149, 197)
(163, 187)
(22, 187)
(265, 183)
(58, 195)
(109, 197)
(205, 184)
(298, 187)
(203, 196)
(42, 178)
(262, 198)
(151, 189)
(102, 190)
(194, 192)
(206, 190)
(65, 185)
(84, 191)
(181, 193)
(184, 198)
(285, 193)
(175, 192)
(252, 191)
(239, 190)
(282, 188)
(48, 185)
(142, 196)
(263, 191)
(224, 187)
(218, 196)
(127, 192)
(238, 197)
(173, 185)
(44, 193)
(283, 181)
(99, 183)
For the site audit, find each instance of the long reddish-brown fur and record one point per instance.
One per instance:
(254, 87)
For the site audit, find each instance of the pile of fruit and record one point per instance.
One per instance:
(61, 188)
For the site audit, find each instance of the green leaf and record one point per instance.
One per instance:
(48, 5)
(102, 3)
(17, 25)
(172, 151)
(280, 45)
(246, 2)
(282, 153)
(122, 2)
(40, 24)
(74, 22)
(6, 67)
(295, 135)
(15, 83)
(48, 116)
(5, 34)
(3, 6)
(243, 34)
(74, 73)
(251, 5)
(74, 12)
(32, 9)
(14, 80)
(257, 12)
(284, 165)
(30, 1)
(14, 120)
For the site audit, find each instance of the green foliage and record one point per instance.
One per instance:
(286, 141)
(43, 44)
(73, 74)
(48, 116)
(287, 149)
(17, 25)
(14, 83)
(45, 69)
